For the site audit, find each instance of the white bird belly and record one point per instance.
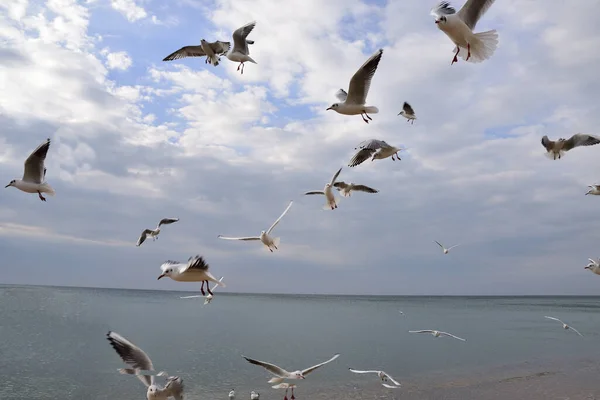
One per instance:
(457, 31)
(237, 57)
(30, 187)
(191, 276)
(266, 240)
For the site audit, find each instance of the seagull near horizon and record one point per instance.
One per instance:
(208, 297)
(565, 326)
(240, 51)
(264, 237)
(154, 233)
(382, 375)
(346, 189)
(374, 149)
(353, 101)
(195, 270)
(286, 386)
(593, 266)
(594, 189)
(558, 148)
(446, 250)
(408, 113)
(459, 28)
(141, 366)
(437, 334)
(330, 201)
(212, 51)
(34, 175)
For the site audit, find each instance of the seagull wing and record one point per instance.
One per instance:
(547, 143)
(272, 368)
(166, 221)
(575, 330)
(143, 236)
(473, 10)
(279, 219)
(239, 37)
(335, 176)
(360, 157)
(174, 387)
(439, 244)
(219, 47)
(132, 356)
(554, 319)
(341, 95)
(361, 81)
(391, 379)
(580, 139)
(451, 247)
(408, 109)
(311, 369)
(341, 185)
(373, 144)
(442, 8)
(196, 263)
(356, 371)
(451, 335)
(315, 192)
(186, 51)
(363, 188)
(390, 386)
(422, 331)
(34, 165)
(239, 238)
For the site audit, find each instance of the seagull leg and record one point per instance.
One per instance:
(285, 395)
(455, 59)
(393, 159)
(242, 68)
(364, 119)
(468, 51)
(240, 64)
(42, 198)
(398, 157)
(208, 288)
(202, 289)
(292, 398)
(367, 115)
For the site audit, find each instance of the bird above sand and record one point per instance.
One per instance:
(142, 367)
(593, 266)
(353, 102)
(382, 375)
(408, 113)
(34, 175)
(281, 374)
(240, 51)
(195, 270)
(446, 250)
(212, 51)
(437, 334)
(459, 28)
(270, 242)
(330, 202)
(375, 150)
(594, 189)
(557, 149)
(565, 326)
(153, 233)
(346, 189)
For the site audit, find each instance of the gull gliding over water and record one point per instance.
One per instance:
(408, 113)
(240, 51)
(328, 192)
(141, 366)
(281, 374)
(437, 334)
(382, 375)
(270, 242)
(446, 250)
(375, 150)
(154, 232)
(34, 174)
(212, 51)
(195, 270)
(459, 28)
(565, 326)
(557, 149)
(353, 102)
(593, 266)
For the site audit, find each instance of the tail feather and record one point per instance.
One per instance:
(371, 110)
(276, 241)
(48, 189)
(214, 60)
(482, 48)
(251, 60)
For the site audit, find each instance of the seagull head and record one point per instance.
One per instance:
(12, 183)
(333, 106)
(166, 272)
(299, 375)
(441, 20)
(152, 392)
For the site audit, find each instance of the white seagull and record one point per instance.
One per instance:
(437, 334)
(154, 232)
(281, 374)
(594, 189)
(382, 375)
(346, 189)
(327, 191)
(557, 149)
(270, 242)
(375, 150)
(141, 366)
(408, 113)
(232, 394)
(565, 326)
(34, 176)
(459, 28)
(446, 250)
(212, 51)
(240, 51)
(400, 312)
(593, 266)
(254, 395)
(195, 270)
(286, 386)
(353, 102)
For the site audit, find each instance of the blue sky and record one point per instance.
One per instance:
(135, 139)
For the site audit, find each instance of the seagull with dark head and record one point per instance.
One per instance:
(153, 233)
(195, 270)
(557, 149)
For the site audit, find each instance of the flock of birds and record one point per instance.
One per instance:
(472, 47)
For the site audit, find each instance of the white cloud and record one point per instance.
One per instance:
(118, 60)
(129, 9)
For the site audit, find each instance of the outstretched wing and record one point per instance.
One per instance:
(196, 263)
(554, 319)
(361, 81)
(422, 331)
(391, 379)
(132, 356)
(439, 244)
(575, 330)
(451, 247)
(166, 221)
(547, 143)
(356, 371)
(34, 165)
(341, 185)
(451, 335)
(390, 386)
(314, 192)
(580, 139)
(186, 51)
(311, 369)
(361, 156)
(272, 368)
(219, 47)
(473, 10)
(174, 387)
(143, 236)
(335, 176)
(279, 219)
(239, 37)
(363, 188)
(239, 238)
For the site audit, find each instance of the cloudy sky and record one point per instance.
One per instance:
(135, 139)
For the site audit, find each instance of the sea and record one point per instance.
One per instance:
(53, 344)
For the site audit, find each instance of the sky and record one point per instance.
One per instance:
(136, 139)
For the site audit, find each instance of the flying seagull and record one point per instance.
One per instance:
(212, 51)
(154, 232)
(141, 365)
(558, 148)
(382, 375)
(446, 250)
(240, 52)
(594, 189)
(35, 173)
(459, 28)
(328, 192)
(375, 150)
(593, 266)
(565, 326)
(346, 189)
(353, 102)
(270, 242)
(437, 334)
(408, 113)
(195, 270)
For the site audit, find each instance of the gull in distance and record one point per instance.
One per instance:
(232, 395)
(459, 28)
(270, 242)
(212, 51)
(557, 149)
(195, 270)
(34, 174)
(446, 250)
(353, 101)
(382, 375)
(240, 51)
(593, 266)
(565, 326)
(437, 334)
(594, 189)
(346, 189)
(374, 149)
(330, 201)
(154, 232)
(408, 113)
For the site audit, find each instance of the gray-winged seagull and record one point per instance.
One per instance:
(195, 270)
(558, 148)
(212, 51)
(408, 113)
(330, 202)
(153, 233)
(565, 326)
(382, 375)
(375, 150)
(240, 51)
(34, 174)
(346, 189)
(437, 334)
(593, 266)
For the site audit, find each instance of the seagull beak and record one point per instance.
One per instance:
(329, 108)
(6, 186)
(437, 21)
(160, 276)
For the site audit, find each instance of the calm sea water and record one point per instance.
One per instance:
(53, 343)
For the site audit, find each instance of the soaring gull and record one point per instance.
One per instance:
(212, 51)
(195, 270)
(446, 250)
(382, 375)
(328, 192)
(557, 149)
(346, 189)
(565, 326)
(375, 150)
(437, 334)
(240, 52)
(408, 113)
(34, 175)
(154, 232)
